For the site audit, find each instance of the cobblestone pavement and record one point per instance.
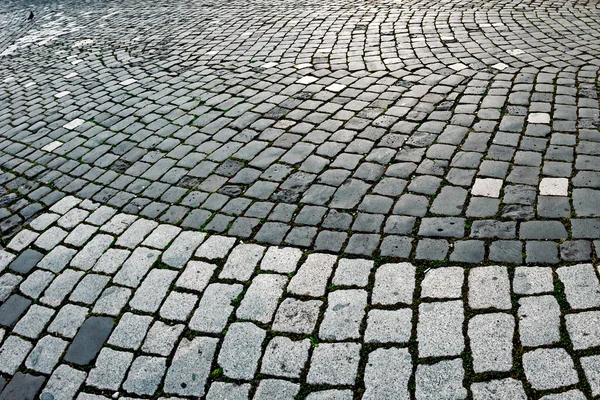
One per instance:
(299, 199)
(97, 304)
(425, 130)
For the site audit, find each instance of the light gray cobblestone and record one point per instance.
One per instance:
(344, 315)
(549, 368)
(178, 306)
(489, 287)
(261, 298)
(44, 356)
(352, 272)
(68, 320)
(161, 236)
(241, 262)
(584, 329)
(130, 331)
(196, 276)
(276, 389)
(533, 280)
(136, 266)
(284, 357)
(182, 248)
(491, 339)
(145, 374)
(161, 338)
(439, 329)
(499, 389)
(35, 283)
(443, 379)
(334, 364)
(443, 283)
(581, 285)
(241, 350)
(311, 278)
(282, 260)
(136, 233)
(63, 384)
(214, 308)
(12, 353)
(110, 369)
(387, 374)
(539, 321)
(215, 247)
(191, 366)
(153, 290)
(394, 283)
(228, 391)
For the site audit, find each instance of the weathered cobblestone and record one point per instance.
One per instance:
(491, 338)
(549, 368)
(442, 379)
(539, 321)
(241, 350)
(387, 374)
(439, 329)
(261, 298)
(334, 364)
(312, 200)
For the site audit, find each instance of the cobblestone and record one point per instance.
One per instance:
(322, 201)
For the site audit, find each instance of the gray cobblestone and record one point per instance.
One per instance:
(387, 374)
(491, 338)
(439, 329)
(311, 279)
(539, 321)
(334, 364)
(394, 283)
(214, 308)
(284, 357)
(441, 380)
(581, 285)
(191, 366)
(241, 350)
(344, 315)
(489, 287)
(261, 298)
(549, 368)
